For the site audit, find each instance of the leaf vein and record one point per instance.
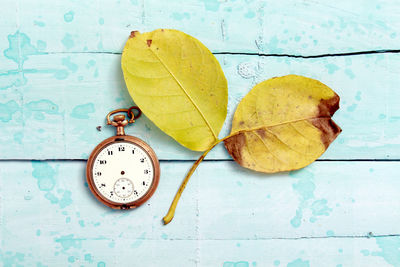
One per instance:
(278, 124)
(280, 140)
(305, 137)
(186, 93)
(267, 147)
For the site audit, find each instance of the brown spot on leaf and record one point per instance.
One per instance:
(261, 132)
(328, 107)
(149, 42)
(329, 129)
(133, 34)
(241, 123)
(234, 145)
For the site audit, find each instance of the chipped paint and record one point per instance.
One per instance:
(40, 83)
(82, 111)
(305, 189)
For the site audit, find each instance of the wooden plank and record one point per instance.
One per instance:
(47, 215)
(324, 199)
(51, 109)
(220, 197)
(73, 251)
(60, 74)
(335, 252)
(284, 27)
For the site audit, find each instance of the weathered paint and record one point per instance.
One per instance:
(364, 115)
(286, 27)
(205, 221)
(59, 76)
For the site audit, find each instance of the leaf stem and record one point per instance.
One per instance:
(171, 212)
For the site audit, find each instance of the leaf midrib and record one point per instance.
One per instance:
(274, 125)
(186, 93)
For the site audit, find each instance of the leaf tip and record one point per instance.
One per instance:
(329, 130)
(328, 107)
(133, 34)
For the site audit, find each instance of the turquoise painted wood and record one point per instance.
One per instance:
(60, 99)
(60, 74)
(283, 27)
(314, 215)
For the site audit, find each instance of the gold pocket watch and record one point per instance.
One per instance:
(123, 171)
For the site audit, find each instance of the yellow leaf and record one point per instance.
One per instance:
(283, 124)
(178, 84)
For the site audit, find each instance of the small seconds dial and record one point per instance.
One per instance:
(123, 172)
(123, 187)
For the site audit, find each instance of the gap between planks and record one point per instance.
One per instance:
(369, 52)
(268, 238)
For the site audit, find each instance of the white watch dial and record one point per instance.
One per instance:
(123, 172)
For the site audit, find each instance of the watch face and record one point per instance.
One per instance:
(122, 172)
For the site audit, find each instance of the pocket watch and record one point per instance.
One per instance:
(123, 171)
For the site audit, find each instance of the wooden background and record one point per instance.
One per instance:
(60, 75)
